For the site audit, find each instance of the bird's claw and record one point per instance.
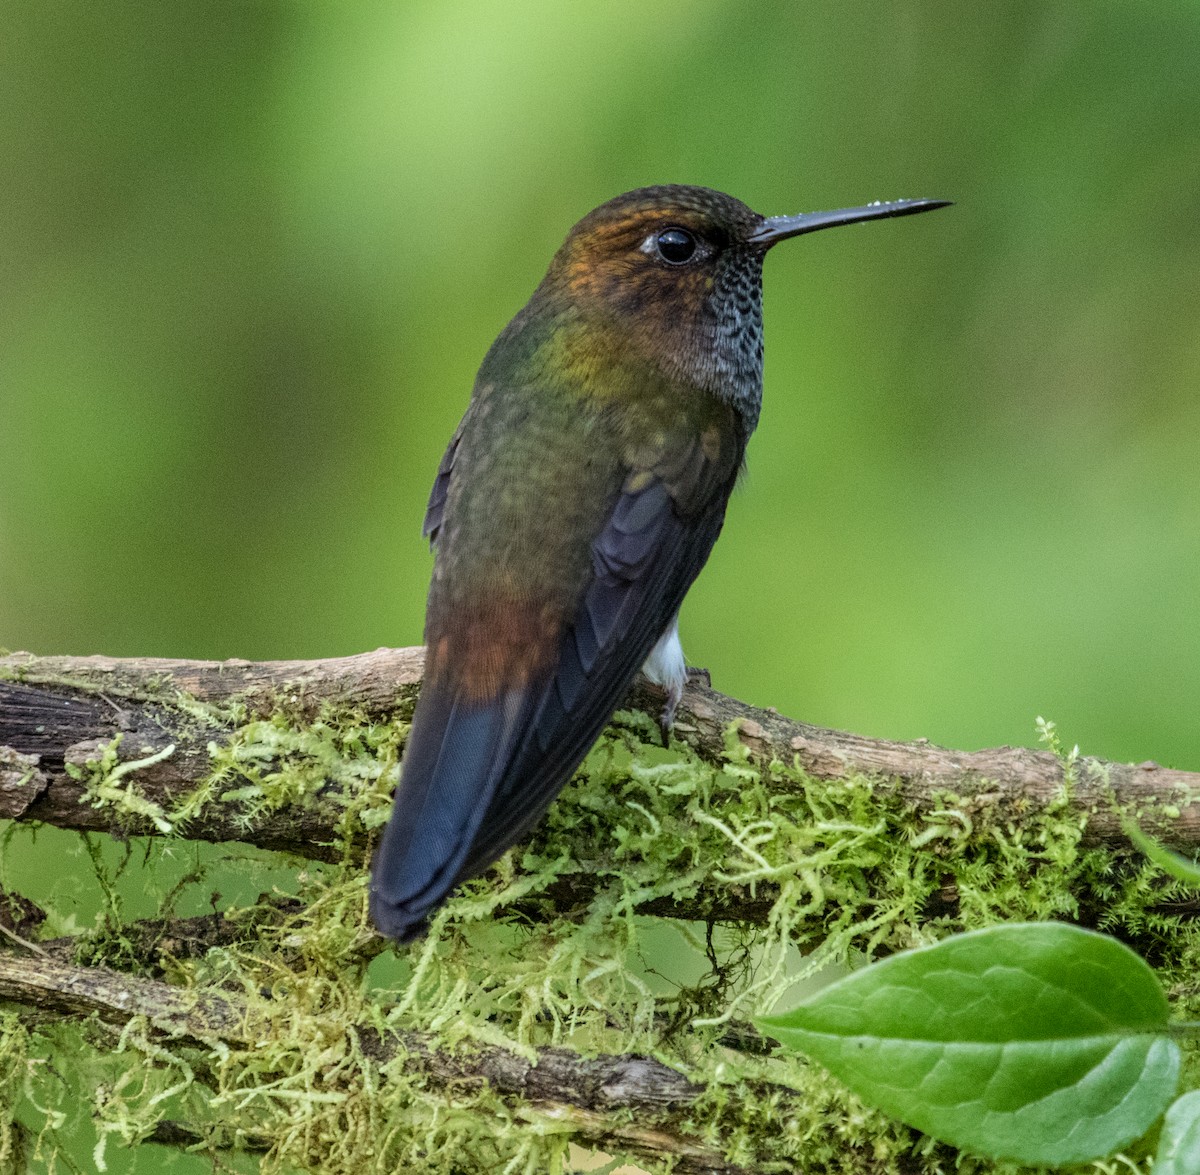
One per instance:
(666, 719)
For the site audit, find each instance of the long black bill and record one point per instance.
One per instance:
(779, 228)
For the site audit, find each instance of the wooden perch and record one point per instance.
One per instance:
(60, 712)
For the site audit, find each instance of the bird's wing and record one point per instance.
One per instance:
(655, 542)
(436, 508)
(480, 771)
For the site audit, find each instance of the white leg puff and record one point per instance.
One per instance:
(667, 667)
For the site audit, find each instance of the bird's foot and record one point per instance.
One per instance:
(666, 719)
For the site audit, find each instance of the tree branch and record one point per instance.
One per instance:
(59, 713)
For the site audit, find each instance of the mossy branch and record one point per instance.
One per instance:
(526, 1018)
(163, 723)
(598, 1098)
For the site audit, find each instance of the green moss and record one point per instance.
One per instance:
(108, 782)
(824, 872)
(277, 762)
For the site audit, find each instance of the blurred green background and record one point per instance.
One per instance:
(251, 254)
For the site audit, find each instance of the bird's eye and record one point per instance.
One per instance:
(675, 245)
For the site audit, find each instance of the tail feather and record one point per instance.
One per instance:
(455, 758)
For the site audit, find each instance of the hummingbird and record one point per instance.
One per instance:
(576, 503)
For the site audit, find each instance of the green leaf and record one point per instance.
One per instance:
(1037, 1042)
(1177, 866)
(1179, 1144)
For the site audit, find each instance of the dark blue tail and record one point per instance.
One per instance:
(456, 755)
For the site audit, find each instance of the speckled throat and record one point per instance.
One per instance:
(735, 309)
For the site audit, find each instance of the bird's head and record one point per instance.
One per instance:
(675, 274)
